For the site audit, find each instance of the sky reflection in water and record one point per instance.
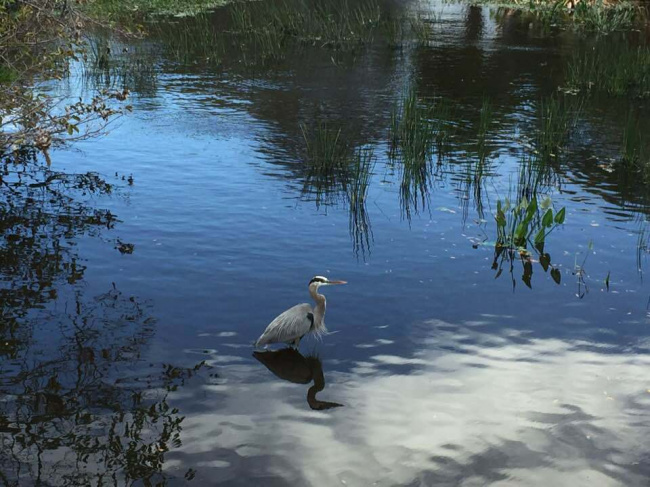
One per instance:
(466, 407)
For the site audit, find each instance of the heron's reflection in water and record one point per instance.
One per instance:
(289, 364)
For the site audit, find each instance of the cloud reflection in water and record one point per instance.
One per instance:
(467, 408)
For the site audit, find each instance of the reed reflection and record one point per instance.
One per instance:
(335, 171)
(290, 365)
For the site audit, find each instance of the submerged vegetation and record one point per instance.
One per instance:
(635, 153)
(616, 69)
(361, 170)
(259, 32)
(557, 117)
(326, 160)
(332, 23)
(418, 130)
(338, 24)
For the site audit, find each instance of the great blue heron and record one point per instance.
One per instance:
(296, 322)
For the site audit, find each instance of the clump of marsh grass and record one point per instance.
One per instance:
(478, 170)
(584, 15)
(323, 22)
(326, 161)
(417, 130)
(536, 176)
(109, 65)
(395, 31)
(634, 154)
(421, 28)
(130, 11)
(360, 173)
(190, 40)
(336, 24)
(557, 117)
(631, 147)
(485, 120)
(615, 69)
(403, 29)
(604, 18)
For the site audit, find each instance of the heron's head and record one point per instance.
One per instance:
(318, 281)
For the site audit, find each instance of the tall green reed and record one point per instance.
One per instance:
(361, 169)
(326, 160)
(417, 131)
(557, 117)
(614, 68)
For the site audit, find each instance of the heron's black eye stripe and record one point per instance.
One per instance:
(316, 279)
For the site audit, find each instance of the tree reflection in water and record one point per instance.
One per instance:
(74, 407)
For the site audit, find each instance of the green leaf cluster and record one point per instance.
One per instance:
(526, 222)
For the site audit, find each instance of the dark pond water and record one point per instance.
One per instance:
(445, 363)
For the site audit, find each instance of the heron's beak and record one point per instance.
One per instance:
(337, 282)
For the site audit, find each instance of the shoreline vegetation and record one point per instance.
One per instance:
(130, 11)
(598, 16)
(37, 43)
(254, 33)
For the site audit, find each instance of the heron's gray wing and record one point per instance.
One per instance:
(288, 326)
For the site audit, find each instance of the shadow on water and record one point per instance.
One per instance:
(78, 405)
(290, 365)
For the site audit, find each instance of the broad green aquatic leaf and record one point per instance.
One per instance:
(520, 231)
(547, 220)
(501, 219)
(559, 217)
(523, 204)
(545, 261)
(540, 236)
(528, 274)
(556, 275)
(530, 211)
(521, 234)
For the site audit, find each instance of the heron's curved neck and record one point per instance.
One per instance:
(319, 309)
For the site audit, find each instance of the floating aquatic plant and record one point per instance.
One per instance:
(525, 222)
(522, 228)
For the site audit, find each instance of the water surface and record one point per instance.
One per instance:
(438, 369)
